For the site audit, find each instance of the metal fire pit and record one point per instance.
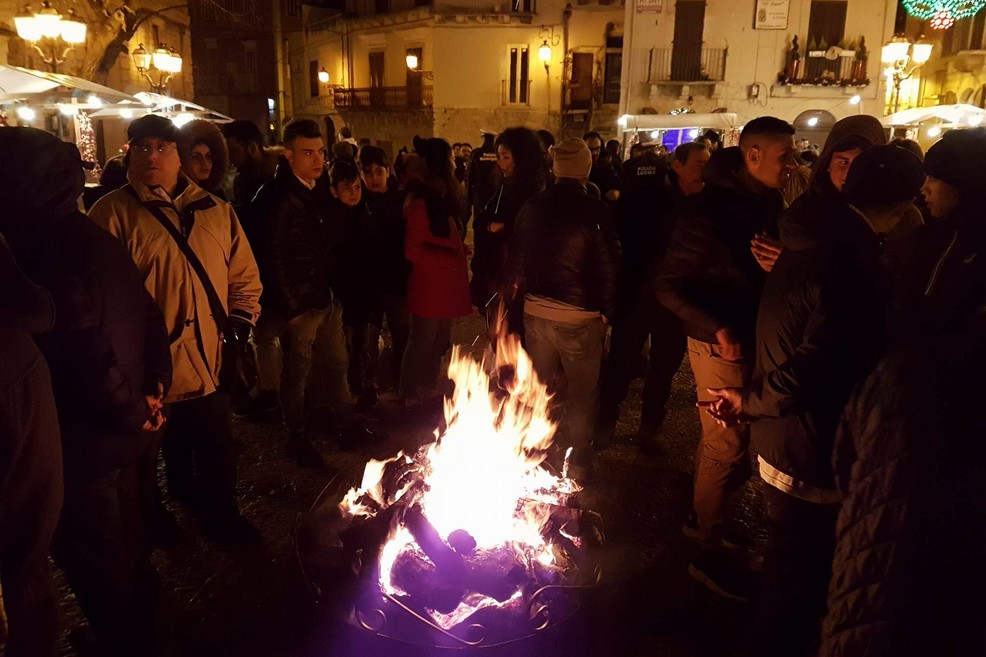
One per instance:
(343, 582)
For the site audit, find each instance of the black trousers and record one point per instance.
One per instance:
(667, 349)
(797, 568)
(102, 546)
(199, 453)
(30, 504)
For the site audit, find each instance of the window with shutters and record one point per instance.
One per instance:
(518, 85)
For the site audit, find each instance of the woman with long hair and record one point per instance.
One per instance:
(438, 285)
(520, 158)
(204, 156)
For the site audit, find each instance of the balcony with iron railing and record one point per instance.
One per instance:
(485, 7)
(389, 99)
(689, 65)
(831, 66)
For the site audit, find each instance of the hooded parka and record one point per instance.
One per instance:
(215, 235)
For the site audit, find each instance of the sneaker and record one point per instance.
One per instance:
(264, 402)
(728, 538)
(232, 529)
(304, 453)
(730, 582)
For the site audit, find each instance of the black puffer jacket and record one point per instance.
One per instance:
(709, 277)
(565, 248)
(387, 212)
(109, 346)
(820, 329)
(952, 261)
(911, 535)
(296, 268)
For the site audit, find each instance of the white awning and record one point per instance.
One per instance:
(41, 88)
(174, 108)
(955, 116)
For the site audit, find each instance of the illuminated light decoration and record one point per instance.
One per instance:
(942, 20)
(323, 76)
(544, 52)
(412, 61)
(934, 131)
(26, 114)
(812, 122)
(623, 120)
(86, 140)
(943, 13)
(66, 109)
(655, 134)
(855, 100)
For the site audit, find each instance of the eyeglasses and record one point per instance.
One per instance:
(159, 148)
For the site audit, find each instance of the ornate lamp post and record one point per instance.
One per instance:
(165, 62)
(898, 54)
(52, 35)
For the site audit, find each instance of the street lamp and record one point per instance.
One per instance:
(412, 61)
(50, 33)
(165, 61)
(898, 54)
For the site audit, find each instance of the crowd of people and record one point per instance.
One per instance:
(785, 274)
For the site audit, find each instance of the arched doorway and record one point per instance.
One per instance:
(813, 125)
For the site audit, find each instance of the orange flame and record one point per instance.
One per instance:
(484, 474)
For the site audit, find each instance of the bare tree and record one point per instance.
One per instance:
(111, 26)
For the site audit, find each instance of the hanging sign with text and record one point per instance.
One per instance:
(772, 14)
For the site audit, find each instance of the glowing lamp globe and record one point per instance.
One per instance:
(544, 52)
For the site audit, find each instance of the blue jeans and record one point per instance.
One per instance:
(568, 358)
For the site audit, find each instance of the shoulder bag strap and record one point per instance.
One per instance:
(215, 304)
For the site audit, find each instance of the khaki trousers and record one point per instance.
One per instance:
(720, 451)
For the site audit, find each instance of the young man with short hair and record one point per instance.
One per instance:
(384, 203)
(711, 279)
(299, 279)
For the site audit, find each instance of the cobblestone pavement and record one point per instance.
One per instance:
(253, 603)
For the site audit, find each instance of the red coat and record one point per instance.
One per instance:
(438, 287)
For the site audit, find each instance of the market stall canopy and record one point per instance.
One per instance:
(954, 116)
(41, 88)
(174, 108)
(716, 120)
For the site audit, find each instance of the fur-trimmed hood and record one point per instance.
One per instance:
(205, 132)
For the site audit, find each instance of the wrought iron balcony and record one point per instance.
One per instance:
(687, 65)
(384, 98)
(833, 66)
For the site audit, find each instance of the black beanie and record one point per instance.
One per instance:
(884, 174)
(957, 159)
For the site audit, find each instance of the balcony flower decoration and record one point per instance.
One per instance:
(842, 65)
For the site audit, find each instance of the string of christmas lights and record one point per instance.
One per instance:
(942, 14)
